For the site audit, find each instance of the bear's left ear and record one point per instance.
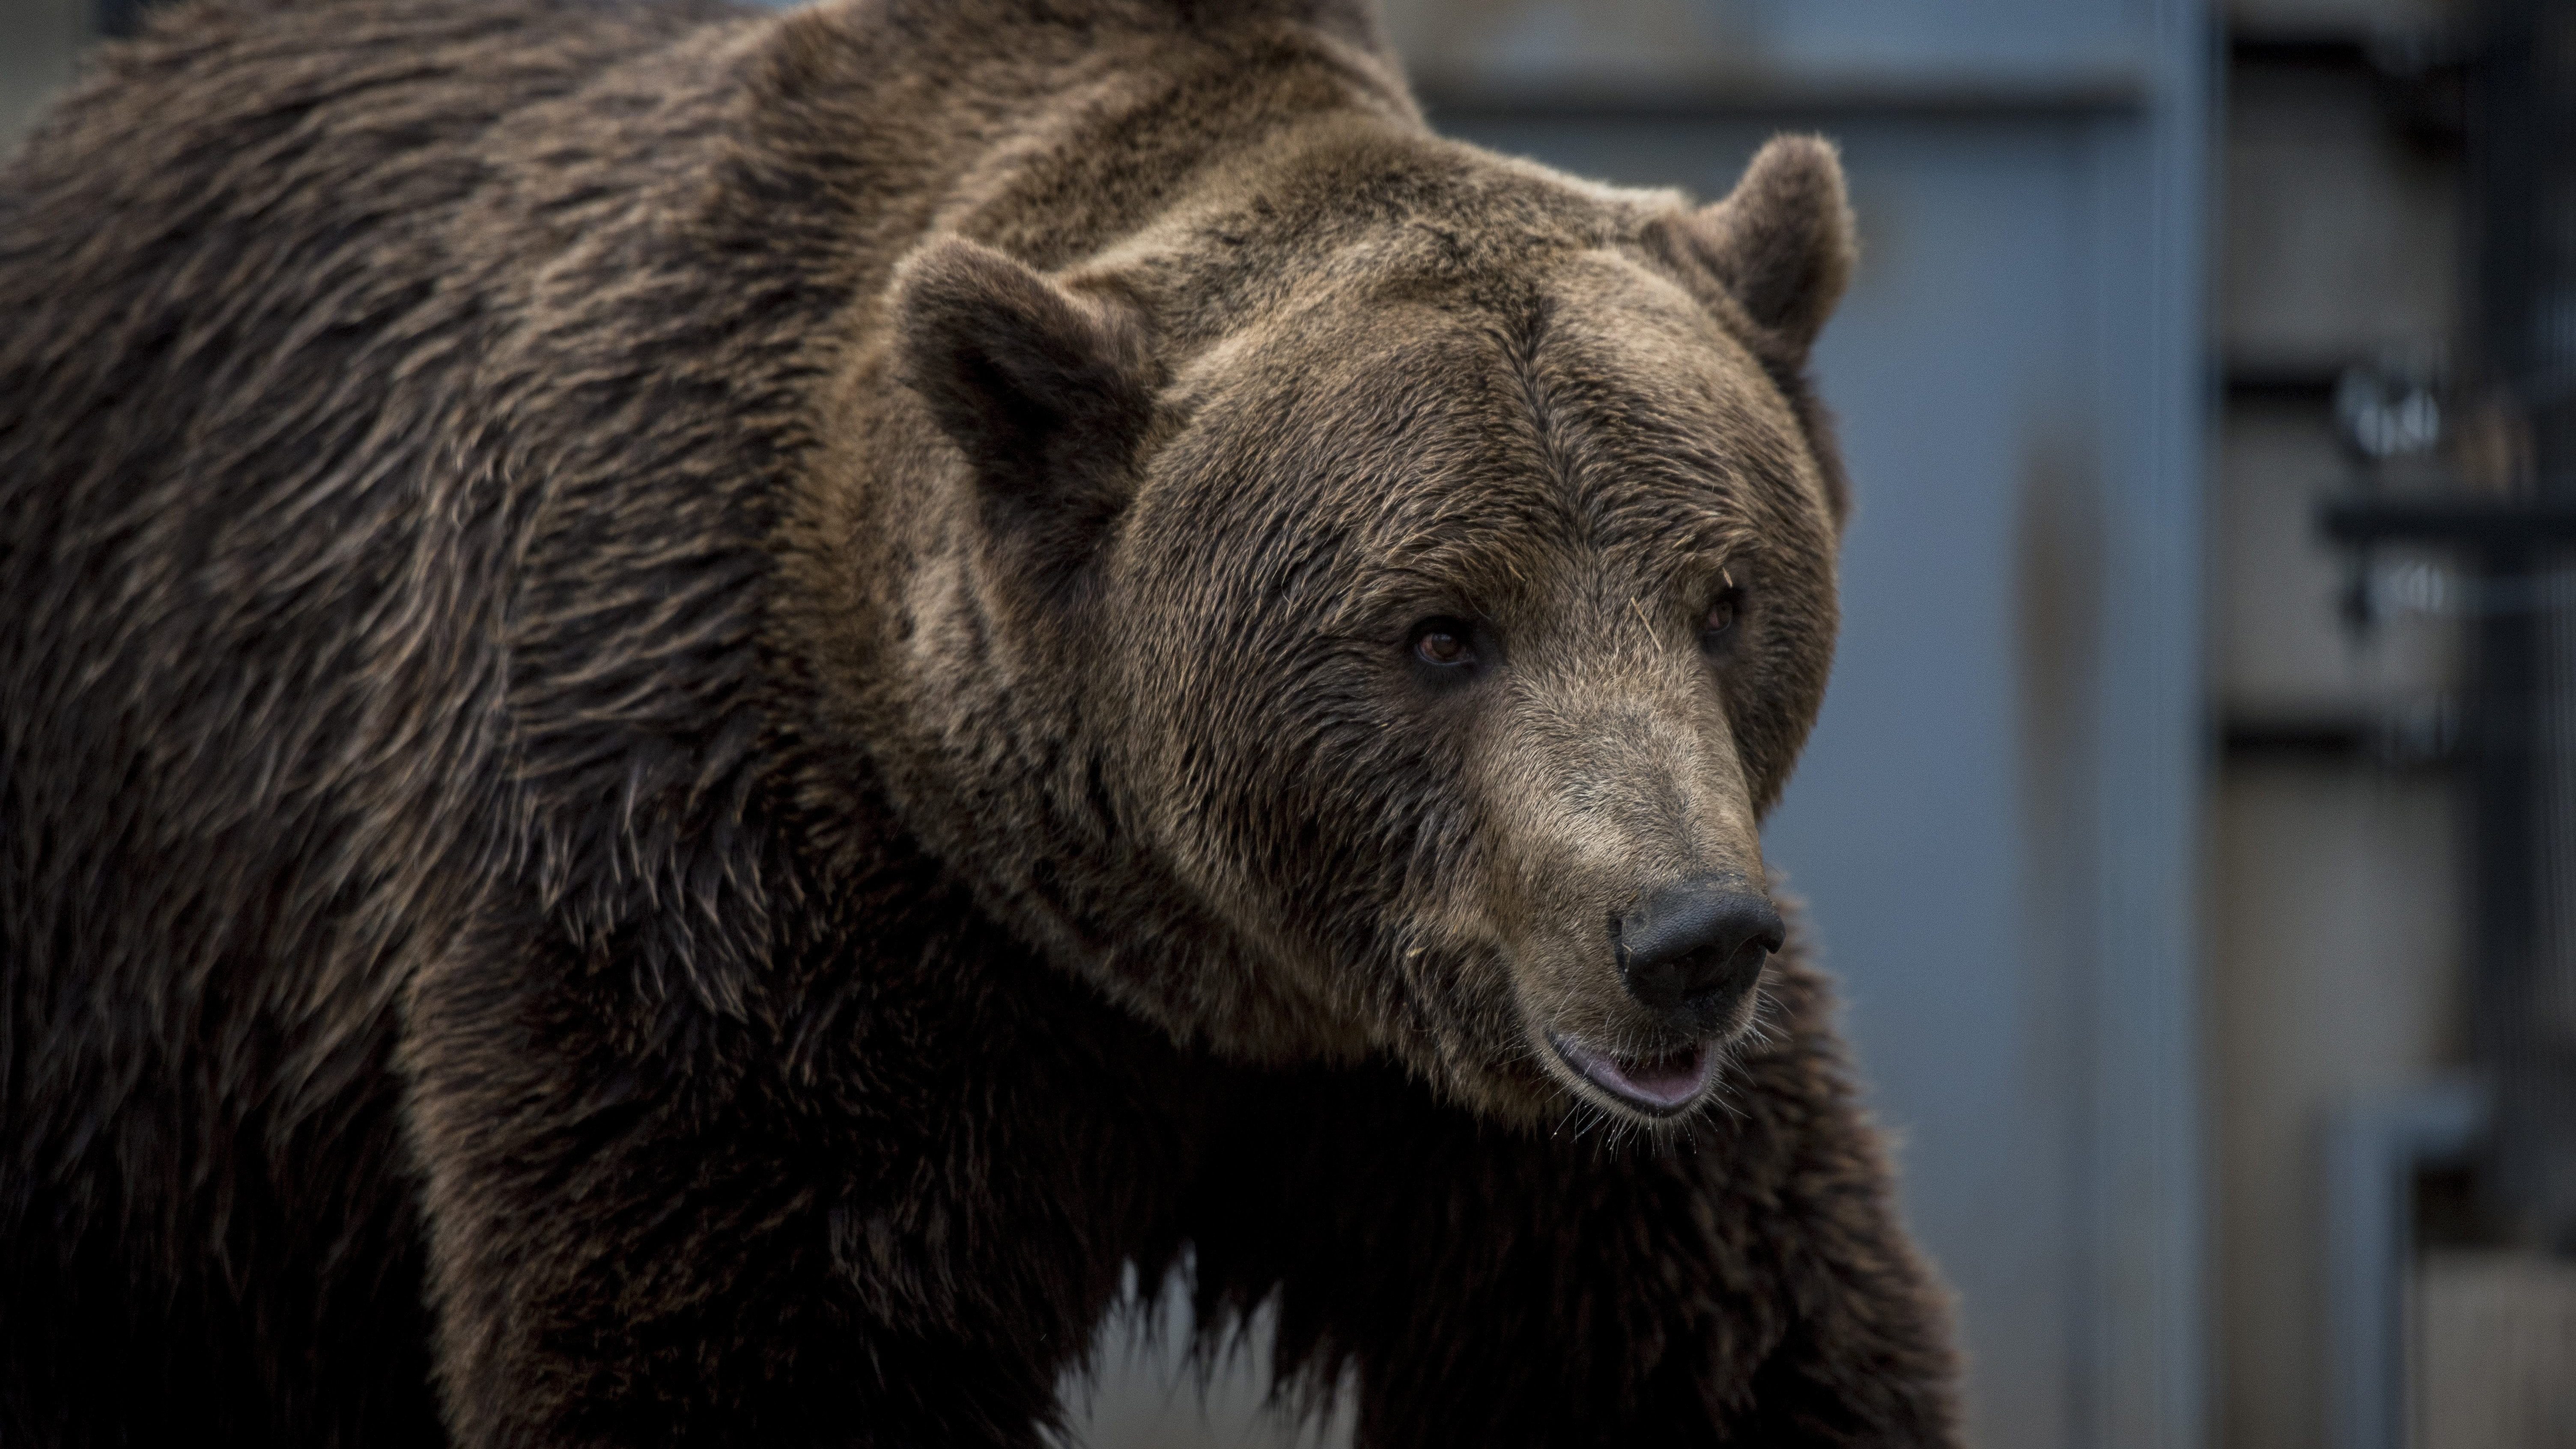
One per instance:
(1047, 393)
(1782, 244)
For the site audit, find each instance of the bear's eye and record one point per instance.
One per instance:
(1720, 622)
(1445, 643)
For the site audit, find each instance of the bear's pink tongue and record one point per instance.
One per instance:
(1667, 1081)
(1660, 1083)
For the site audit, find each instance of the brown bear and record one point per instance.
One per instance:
(704, 711)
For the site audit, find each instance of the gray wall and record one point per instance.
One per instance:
(38, 40)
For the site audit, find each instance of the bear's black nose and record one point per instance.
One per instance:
(1697, 946)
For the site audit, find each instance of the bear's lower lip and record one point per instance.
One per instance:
(1660, 1085)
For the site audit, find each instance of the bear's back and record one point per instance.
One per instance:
(250, 662)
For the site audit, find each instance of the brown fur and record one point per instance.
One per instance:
(702, 711)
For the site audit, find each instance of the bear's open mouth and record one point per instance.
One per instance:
(1659, 1085)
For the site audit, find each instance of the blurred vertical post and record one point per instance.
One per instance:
(2524, 920)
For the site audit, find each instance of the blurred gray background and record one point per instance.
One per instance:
(2148, 826)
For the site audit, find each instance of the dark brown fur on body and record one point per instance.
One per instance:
(701, 711)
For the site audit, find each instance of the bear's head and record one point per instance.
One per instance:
(1370, 610)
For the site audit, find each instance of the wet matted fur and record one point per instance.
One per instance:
(700, 711)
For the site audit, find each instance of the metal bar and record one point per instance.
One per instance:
(1752, 95)
(2472, 522)
(2372, 1150)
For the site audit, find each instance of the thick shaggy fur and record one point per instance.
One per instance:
(700, 711)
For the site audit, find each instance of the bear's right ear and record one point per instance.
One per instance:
(1782, 244)
(1047, 393)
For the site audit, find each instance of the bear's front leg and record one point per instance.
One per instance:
(1744, 1281)
(654, 1223)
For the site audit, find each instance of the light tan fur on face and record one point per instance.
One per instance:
(1600, 784)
